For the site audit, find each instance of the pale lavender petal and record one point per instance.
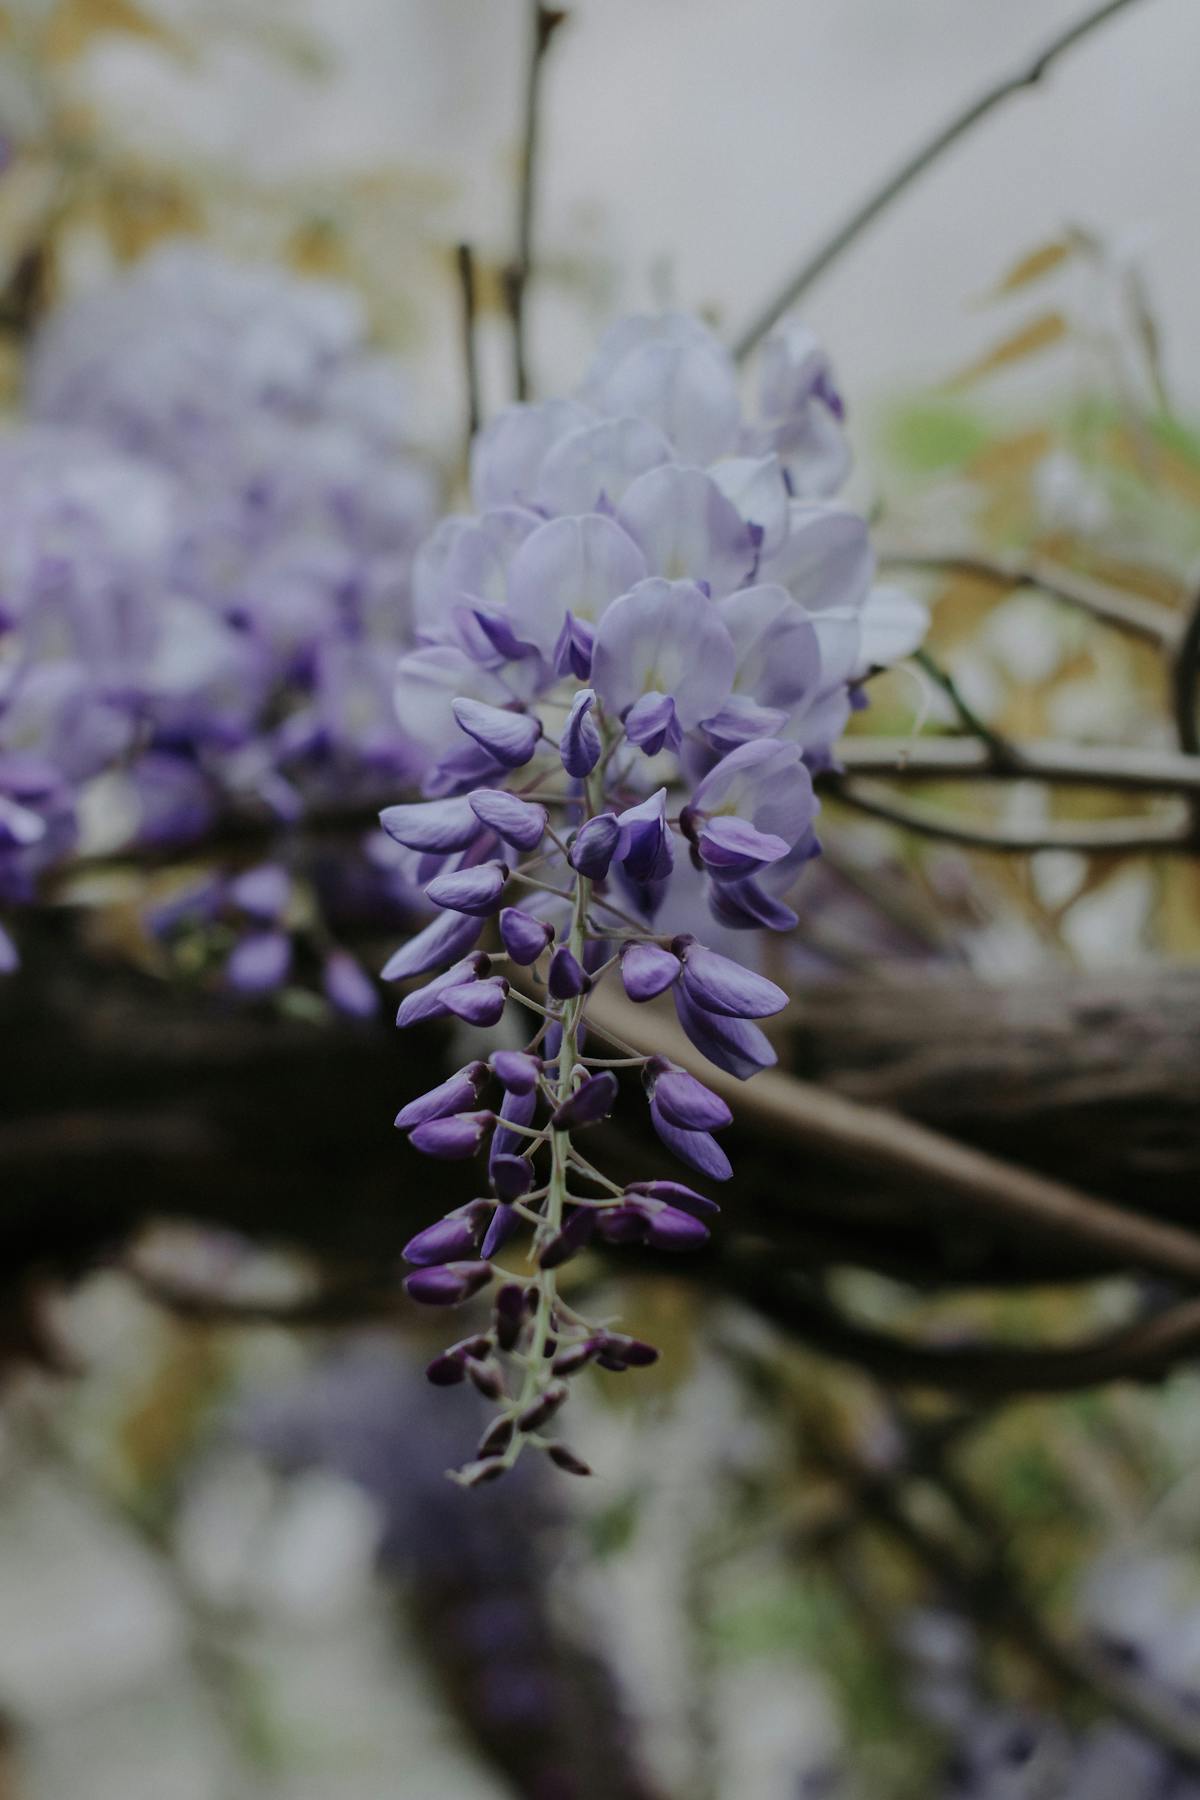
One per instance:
(508, 454)
(664, 637)
(777, 646)
(826, 560)
(687, 529)
(262, 892)
(348, 987)
(598, 462)
(755, 485)
(476, 890)
(731, 848)
(575, 565)
(511, 737)
(672, 372)
(259, 962)
(894, 624)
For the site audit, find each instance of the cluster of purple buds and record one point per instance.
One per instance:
(629, 666)
(208, 520)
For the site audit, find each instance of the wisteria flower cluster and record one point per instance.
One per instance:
(630, 662)
(207, 527)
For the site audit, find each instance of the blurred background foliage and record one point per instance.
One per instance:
(229, 1563)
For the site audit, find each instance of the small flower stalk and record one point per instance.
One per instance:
(629, 665)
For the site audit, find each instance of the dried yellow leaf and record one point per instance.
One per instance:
(1039, 334)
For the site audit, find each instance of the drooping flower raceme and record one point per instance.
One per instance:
(208, 527)
(629, 662)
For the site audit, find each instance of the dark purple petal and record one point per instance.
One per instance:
(517, 1070)
(720, 985)
(262, 893)
(574, 1235)
(451, 1139)
(670, 1229)
(631, 1353)
(478, 1002)
(508, 1312)
(675, 1194)
(736, 1046)
(476, 891)
(647, 970)
(580, 744)
(505, 1221)
(260, 962)
(442, 941)
(511, 737)
(746, 906)
(543, 1408)
(565, 978)
(447, 1241)
(10, 960)
(593, 1099)
(645, 851)
(445, 1371)
(348, 987)
(622, 1224)
(566, 1459)
(447, 1284)
(593, 846)
(521, 823)
(442, 825)
(573, 651)
(696, 1148)
(511, 1175)
(518, 1109)
(685, 1102)
(457, 1094)
(523, 936)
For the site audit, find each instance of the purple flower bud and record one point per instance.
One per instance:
(456, 1094)
(593, 846)
(511, 1175)
(260, 962)
(670, 1229)
(426, 1003)
(675, 1194)
(517, 1109)
(573, 651)
(645, 848)
(516, 1070)
(735, 1045)
(720, 985)
(478, 1002)
(593, 1099)
(568, 1242)
(523, 936)
(646, 1221)
(565, 978)
(475, 891)
(580, 745)
(629, 1353)
(647, 970)
(445, 1371)
(651, 724)
(508, 1311)
(511, 737)
(621, 1224)
(696, 1148)
(453, 1138)
(575, 1357)
(683, 1101)
(262, 893)
(505, 1220)
(447, 1284)
(487, 1378)
(448, 1241)
(442, 941)
(476, 1474)
(543, 1408)
(496, 1438)
(440, 825)
(519, 822)
(348, 987)
(566, 1459)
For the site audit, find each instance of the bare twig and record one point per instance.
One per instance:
(1066, 765)
(1186, 680)
(1001, 753)
(1132, 613)
(915, 166)
(1104, 837)
(465, 261)
(778, 1107)
(544, 22)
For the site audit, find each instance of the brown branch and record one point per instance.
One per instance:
(1134, 614)
(1185, 675)
(839, 240)
(465, 263)
(544, 22)
(1106, 837)
(778, 1107)
(1066, 765)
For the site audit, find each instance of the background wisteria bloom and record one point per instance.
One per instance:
(629, 663)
